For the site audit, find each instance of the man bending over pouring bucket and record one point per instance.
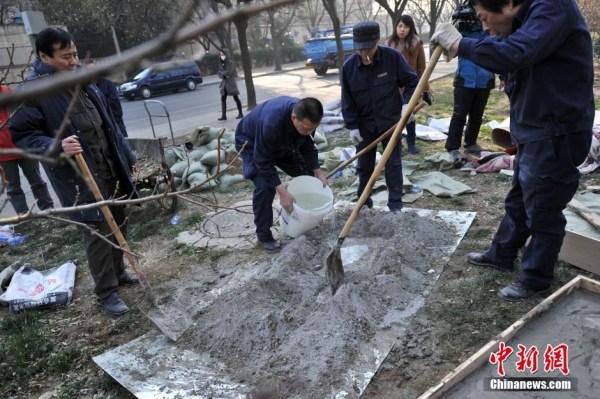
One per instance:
(278, 133)
(372, 103)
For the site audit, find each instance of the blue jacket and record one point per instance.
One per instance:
(271, 135)
(33, 127)
(468, 74)
(548, 66)
(371, 99)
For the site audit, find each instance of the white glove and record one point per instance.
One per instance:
(411, 118)
(447, 36)
(356, 137)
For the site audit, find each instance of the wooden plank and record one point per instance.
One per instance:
(585, 212)
(581, 251)
(481, 356)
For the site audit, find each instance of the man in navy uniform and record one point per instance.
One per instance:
(278, 133)
(543, 49)
(372, 103)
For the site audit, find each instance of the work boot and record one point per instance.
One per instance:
(222, 118)
(473, 149)
(270, 246)
(114, 305)
(127, 279)
(479, 259)
(413, 150)
(240, 116)
(517, 292)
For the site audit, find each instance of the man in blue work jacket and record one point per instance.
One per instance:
(372, 103)
(278, 133)
(543, 49)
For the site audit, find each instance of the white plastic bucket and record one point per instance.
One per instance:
(312, 203)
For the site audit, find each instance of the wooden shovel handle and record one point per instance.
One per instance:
(378, 140)
(110, 219)
(393, 141)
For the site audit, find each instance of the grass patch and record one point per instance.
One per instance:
(126, 322)
(63, 361)
(24, 349)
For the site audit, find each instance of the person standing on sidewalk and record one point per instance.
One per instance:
(228, 85)
(544, 50)
(10, 164)
(92, 132)
(406, 40)
(472, 86)
(372, 103)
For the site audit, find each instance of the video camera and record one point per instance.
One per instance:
(464, 17)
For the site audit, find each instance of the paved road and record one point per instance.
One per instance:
(188, 110)
(202, 106)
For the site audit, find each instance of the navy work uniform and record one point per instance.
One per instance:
(372, 103)
(548, 64)
(272, 141)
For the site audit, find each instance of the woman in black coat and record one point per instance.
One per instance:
(228, 85)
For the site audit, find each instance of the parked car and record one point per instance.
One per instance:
(163, 77)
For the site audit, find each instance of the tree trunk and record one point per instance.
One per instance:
(331, 10)
(241, 26)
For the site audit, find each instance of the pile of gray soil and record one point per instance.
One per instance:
(280, 330)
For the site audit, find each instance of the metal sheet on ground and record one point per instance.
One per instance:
(153, 367)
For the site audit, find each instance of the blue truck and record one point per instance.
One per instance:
(321, 50)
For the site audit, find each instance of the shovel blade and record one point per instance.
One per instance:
(171, 319)
(334, 269)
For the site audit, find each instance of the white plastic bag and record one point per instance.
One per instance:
(30, 288)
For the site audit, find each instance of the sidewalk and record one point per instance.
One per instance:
(270, 70)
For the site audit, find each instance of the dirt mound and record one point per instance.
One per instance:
(282, 330)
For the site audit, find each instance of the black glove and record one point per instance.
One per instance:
(428, 98)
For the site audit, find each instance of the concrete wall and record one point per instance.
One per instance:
(15, 52)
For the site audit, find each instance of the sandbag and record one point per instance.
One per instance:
(179, 168)
(204, 135)
(197, 179)
(174, 155)
(221, 167)
(196, 167)
(197, 154)
(212, 157)
(228, 180)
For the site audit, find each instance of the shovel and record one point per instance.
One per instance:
(333, 263)
(173, 322)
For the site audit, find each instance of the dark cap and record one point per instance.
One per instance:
(365, 35)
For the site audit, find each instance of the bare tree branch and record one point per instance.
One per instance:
(133, 56)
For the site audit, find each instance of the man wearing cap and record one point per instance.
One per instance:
(372, 103)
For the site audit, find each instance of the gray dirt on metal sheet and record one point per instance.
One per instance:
(283, 330)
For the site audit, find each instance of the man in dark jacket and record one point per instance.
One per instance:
(372, 103)
(543, 49)
(93, 132)
(278, 133)
(472, 86)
